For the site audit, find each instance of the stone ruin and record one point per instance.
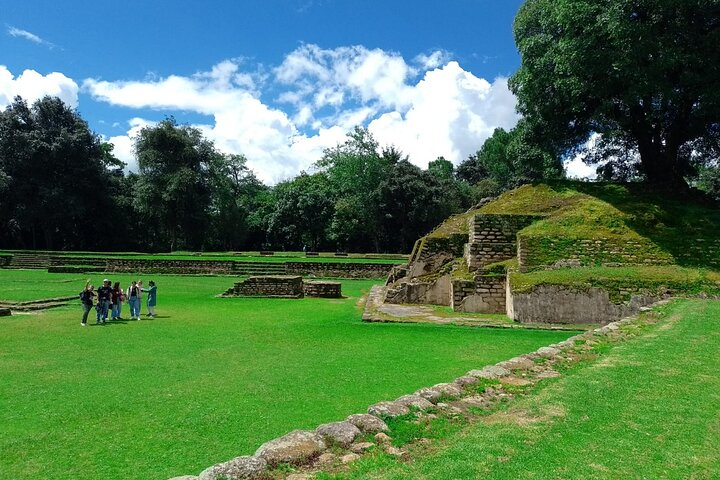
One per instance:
(283, 286)
(461, 270)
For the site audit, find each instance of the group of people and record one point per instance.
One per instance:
(109, 300)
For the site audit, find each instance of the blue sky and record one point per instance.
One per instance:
(276, 80)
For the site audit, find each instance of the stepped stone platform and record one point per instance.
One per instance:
(283, 286)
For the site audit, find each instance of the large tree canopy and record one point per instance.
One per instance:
(643, 73)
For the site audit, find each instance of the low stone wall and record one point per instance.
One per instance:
(171, 266)
(561, 304)
(268, 286)
(541, 252)
(339, 269)
(484, 294)
(322, 289)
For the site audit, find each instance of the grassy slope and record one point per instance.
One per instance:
(647, 409)
(209, 379)
(629, 212)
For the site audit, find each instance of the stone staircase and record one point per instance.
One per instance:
(259, 268)
(29, 261)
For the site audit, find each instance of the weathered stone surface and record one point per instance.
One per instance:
(325, 460)
(361, 447)
(367, 423)
(548, 352)
(433, 396)
(466, 380)
(451, 390)
(296, 447)
(414, 401)
(300, 476)
(394, 451)
(518, 363)
(388, 409)
(382, 438)
(562, 304)
(490, 372)
(349, 458)
(341, 433)
(185, 477)
(239, 468)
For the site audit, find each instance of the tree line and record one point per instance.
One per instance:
(638, 78)
(63, 189)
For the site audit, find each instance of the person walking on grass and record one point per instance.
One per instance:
(86, 298)
(151, 298)
(104, 295)
(117, 301)
(133, 297)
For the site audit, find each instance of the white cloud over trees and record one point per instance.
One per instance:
(283, 118)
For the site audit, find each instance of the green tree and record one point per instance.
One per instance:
(508, 159)
(639, 72)
(174, 191)
(303, 211)
(355, 168)
(56, 178)
(233, 190)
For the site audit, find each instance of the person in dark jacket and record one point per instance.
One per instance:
(104, 295)
(86, 298)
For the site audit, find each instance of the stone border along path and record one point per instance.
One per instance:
(332, 445)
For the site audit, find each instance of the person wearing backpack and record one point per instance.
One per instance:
(86, 298)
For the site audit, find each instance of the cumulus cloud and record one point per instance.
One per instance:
(31, 86)
(427, 108)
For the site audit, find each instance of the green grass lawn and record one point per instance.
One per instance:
(648, 409)
(207, 380)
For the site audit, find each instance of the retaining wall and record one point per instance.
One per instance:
(561, 304)
(339, 269)
(542, 252)
(484, 294)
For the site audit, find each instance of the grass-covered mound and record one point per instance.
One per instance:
(208, 379)
(657, 227)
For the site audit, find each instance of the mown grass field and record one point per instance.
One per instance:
(648, 408)
(208, 379)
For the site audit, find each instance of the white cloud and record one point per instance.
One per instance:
(452, 114)
(31, 86)
(18, 32)
(577, 168)
(124, 144)
(428, 111)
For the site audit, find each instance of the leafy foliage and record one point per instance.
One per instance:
(641, 73)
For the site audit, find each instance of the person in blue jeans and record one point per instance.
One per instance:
(151, 298)
(104, 295)
(133, 298)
